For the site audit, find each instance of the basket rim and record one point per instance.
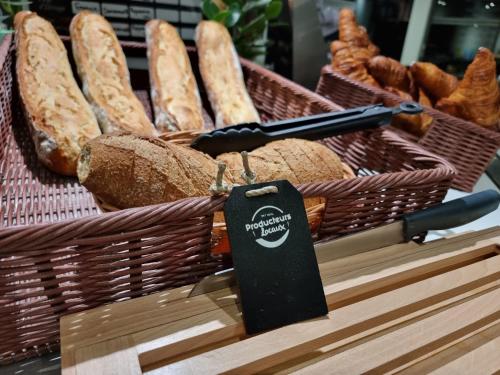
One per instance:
(383, 94)
(5, 46)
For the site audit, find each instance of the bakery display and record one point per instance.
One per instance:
(130, 171)
(222, 76)
(174, 92)
(105, 77)
(477, 97)
(60, 119)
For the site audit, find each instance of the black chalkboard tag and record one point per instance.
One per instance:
(273, 256)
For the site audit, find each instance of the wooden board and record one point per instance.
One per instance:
(373, 297)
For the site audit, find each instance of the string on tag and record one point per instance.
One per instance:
(220, 187)
(262, 191)
(248, 175)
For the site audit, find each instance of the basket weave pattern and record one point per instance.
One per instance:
(59, 254)
(466, 145)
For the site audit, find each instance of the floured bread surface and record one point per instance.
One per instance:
(222, 76)
(60, 118)
(103, 70)
(296, 160)
(132, 171)
(176, 100)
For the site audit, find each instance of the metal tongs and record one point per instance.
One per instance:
(246, 137)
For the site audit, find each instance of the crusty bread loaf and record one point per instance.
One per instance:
(130, 171)
(103, 70)
(222, 76)
(174, 92)
(296, 160)
(61, 121)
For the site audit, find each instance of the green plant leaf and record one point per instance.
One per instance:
(273, 10)
(253, 4)
(209, 9)
(221, 16)
(7, 8)
(256, 26)
(234, 15)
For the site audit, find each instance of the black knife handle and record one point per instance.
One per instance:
(451, 214)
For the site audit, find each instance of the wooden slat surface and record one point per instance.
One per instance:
(386, 288)
(478, 353)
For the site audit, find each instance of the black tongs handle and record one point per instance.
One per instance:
(246, 137)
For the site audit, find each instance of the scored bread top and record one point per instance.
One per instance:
(296, 160)
(126, 170)
(103, 70)
(174, 91)
(222, 76)
(61, 120)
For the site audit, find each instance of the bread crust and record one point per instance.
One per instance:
(127, 170)
(174, 92)
(222, 76)
(102, 68)
(435, 81)
(296, 160)
(59, 117)
(477, 96)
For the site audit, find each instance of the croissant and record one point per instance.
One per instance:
(426, 120)
(353, 34)
(349, 31)
(389, 72)
(360, 54)
(477, 97)
(416, 124)
(336, 46)
(344, 63)
(434, 80)
(373, 50)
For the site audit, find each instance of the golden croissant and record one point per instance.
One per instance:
(477, 97)
(389, 72)
(343, 62)
(435, 81)
(353, 34)
(349, 31)
(361, 54)
(416, 124)
(426, 120)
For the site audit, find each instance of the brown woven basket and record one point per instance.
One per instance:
(60, 255)
(467, 146)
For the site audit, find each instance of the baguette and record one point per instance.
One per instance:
(222, 76)
(175, 96)
(60, 119)
(131, 171)
(103, 71)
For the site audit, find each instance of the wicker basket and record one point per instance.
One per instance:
(59, 254)
(466, 145)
